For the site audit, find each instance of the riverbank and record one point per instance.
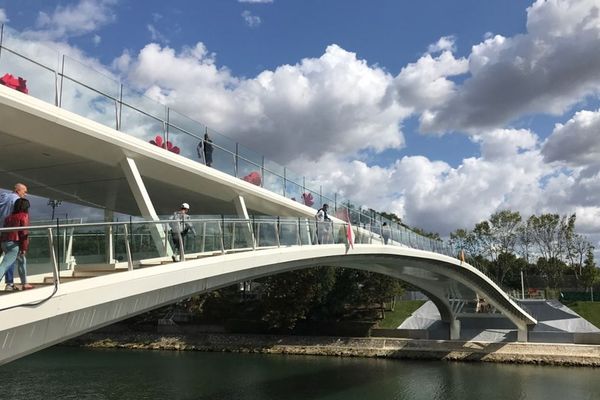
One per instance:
(521, 353)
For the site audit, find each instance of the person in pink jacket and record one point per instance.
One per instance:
(14, 244)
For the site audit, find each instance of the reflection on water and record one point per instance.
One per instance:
(73, 373)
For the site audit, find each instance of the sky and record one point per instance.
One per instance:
(441, 112)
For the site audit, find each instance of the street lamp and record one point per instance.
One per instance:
(54, 204)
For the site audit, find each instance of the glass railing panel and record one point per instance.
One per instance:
(266, 233)
(249, 172)
(294, 189)
(307, 230)
(182, 143)
(189, 135)
(88, 245)
(237, 234)
(38, 255)
(223, 160)
(185, 123)
(248, 161)
(41, 82)
(143, 117)
(314, 187)
(209, 235)
(140, 239)
(273, 182)
(143, 126)
(273, 178)
(100, 81)
(289, 230)
(316, 198)
(88, 103)
(29, 48)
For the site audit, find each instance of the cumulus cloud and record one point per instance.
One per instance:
(576, 142)
(445, 43)
(425, 83)
(74, 20)
(156, 35)
(253, 21)
(335, 103)
(3, 17)
(554, 65)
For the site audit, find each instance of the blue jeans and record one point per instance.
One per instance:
(12, 256)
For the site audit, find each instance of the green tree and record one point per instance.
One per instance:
(290, 296)
(590, 274)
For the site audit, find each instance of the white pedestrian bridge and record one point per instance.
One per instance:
(224, 251)
(82, 138)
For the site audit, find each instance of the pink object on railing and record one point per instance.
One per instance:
(254, 178)
(158, 141)
(19, 83)
(307, 199)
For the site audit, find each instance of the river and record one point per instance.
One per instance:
(78, 373)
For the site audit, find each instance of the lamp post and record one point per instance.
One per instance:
(54, 204)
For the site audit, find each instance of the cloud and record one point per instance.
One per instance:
(156, 35)
(96, 39)
(551, 67)
(335, 103)
(425, 83)
(576, 142)
(3, 17)
(74, 20)
(445, 43)
(253, 21)
(255, 1)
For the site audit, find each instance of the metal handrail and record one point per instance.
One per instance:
(62, 74)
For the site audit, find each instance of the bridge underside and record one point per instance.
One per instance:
(82, 306)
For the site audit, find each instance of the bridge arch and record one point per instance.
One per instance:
(82, 306)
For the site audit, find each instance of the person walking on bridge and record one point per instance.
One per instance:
(7, 204)
(180, 227)
(15, 244)
(323, 225)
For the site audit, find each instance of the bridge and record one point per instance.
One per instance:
(81, 139)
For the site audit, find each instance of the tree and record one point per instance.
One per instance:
(290, 296)
(590, 274)
(498, 236)
(551, 233)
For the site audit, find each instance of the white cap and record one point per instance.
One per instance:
(186, 206)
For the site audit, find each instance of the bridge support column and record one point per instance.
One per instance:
(454, 329)
(108, 232)
(522, 334)
(242, 212)
(140, 194)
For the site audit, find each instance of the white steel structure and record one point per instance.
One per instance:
(66, 155)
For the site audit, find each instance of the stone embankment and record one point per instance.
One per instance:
(522, 353)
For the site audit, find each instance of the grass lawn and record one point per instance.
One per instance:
(403, 310)
(588, 310)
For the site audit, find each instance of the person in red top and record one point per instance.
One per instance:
(15, 243)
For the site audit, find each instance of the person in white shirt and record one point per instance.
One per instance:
(323, 225)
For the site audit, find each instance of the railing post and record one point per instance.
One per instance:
(237, 156)
(1, 38)
(120, 111)
(284, 181)
(55, 273)
(127, 248)
(62, 78)
(277, 232)
(222, 228)
(262, 172)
